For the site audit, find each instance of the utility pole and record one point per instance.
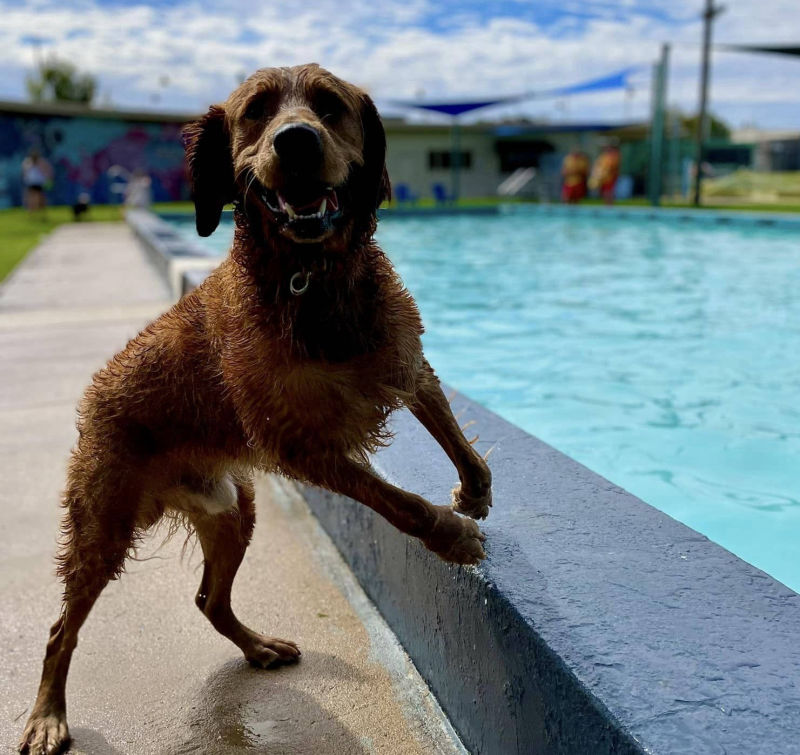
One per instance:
(708, 16)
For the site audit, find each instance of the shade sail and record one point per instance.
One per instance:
(455, 108)
(773, 49)
(617, 80)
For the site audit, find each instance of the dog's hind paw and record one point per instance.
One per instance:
(45, 735)
(266, 652)
(474, 506)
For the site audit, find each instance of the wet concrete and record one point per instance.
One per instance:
(150, 675)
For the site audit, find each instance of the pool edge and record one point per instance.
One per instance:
(598, 624)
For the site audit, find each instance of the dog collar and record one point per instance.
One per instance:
(298, 284)
(300, 281)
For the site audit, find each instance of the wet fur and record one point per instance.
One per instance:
(242, 375)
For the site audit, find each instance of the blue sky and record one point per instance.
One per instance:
(183, 55)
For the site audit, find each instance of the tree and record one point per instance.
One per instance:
(59, 81)
(717, 128)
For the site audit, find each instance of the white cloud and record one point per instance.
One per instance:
(398, 48)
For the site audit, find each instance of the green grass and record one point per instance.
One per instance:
(20, 232)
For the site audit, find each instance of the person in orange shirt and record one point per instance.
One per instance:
(574, 174)
(606, 172)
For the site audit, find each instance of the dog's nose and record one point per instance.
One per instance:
(298, 147)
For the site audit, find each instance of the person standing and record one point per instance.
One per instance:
(36, 175)
(605, 172)
(138, 192)
(574, 175)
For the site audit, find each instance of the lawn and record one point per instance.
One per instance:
(20, 232)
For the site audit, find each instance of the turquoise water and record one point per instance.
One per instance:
(665, 357)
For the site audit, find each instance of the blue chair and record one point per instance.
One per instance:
(403, 194)
(441, 194)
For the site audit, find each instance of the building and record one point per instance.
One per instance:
(91, 149)
(771, 150)
(421, 156)
(82, 145)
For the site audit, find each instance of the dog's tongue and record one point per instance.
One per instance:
(329, 198)
(310, 207)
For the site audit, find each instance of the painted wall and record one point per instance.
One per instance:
(407, 162)
(82, 149)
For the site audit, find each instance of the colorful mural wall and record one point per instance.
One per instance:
(84, 151)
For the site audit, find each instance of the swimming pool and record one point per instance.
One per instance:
(664, 356)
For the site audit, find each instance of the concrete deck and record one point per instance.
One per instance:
(150, 675)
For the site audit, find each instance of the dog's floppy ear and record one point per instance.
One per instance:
(210, 167)
(376, 185)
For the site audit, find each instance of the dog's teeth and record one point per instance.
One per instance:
(322, 207)
(290, 211)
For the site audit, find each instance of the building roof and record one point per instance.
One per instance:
(391, 124)
(75, 110)
(756, 135)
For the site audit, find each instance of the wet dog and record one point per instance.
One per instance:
(288, 358)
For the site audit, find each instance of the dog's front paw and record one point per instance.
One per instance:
(454, 538)
(475, 503)
(266, 652)
(45, 734)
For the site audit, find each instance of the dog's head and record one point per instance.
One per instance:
(303, 151)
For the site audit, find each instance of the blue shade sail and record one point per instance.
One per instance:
(618, 80)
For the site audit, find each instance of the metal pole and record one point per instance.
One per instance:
(708, 16)
(674, 180)
(657, 126)
(455, 159)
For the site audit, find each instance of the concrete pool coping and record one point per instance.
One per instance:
(173, 254)
(597, 624)
(682, 215)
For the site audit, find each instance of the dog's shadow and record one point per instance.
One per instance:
(90, 742)
(245, 710)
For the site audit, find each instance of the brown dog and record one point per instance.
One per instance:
(288, 358)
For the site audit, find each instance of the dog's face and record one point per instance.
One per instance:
(304, 152)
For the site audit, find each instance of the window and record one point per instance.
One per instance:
(444, 159)
(522, 153)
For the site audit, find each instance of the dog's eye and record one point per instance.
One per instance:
(256, 109)
(262, 106)
(328, 106)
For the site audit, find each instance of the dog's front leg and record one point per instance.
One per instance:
(473, 496)
(452, 537)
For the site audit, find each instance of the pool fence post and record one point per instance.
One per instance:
(656, 171)
(455, 159)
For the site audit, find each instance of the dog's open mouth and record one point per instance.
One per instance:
(303, 218)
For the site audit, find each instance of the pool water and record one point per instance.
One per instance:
(664, 356)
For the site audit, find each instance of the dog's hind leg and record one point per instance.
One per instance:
(98, 531)
(224, 537)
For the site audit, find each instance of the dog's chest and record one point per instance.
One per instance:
(312, 406)
(324, 396)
